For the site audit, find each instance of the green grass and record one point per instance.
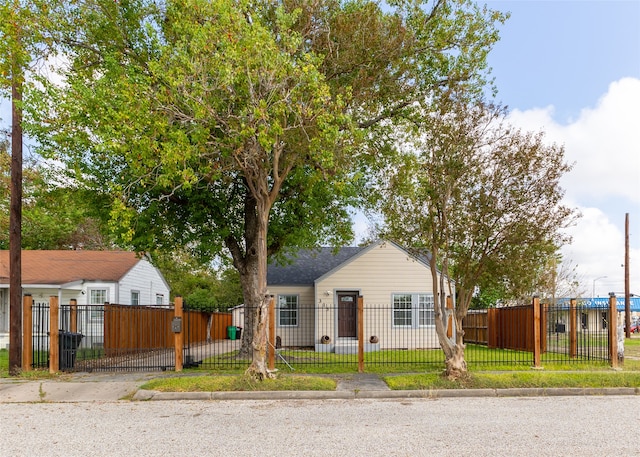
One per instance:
(238, 383)
(518, 379)
(479, 358)
(4, 363)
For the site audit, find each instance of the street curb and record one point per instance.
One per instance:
(152, 395)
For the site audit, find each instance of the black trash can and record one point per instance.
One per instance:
(68, 343)
(239, 333)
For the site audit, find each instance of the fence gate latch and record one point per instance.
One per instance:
(176, 325)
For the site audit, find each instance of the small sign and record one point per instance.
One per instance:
(176, 325)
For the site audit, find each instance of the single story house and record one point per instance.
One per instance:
(89, 277)
(592, 313)
(317, 291)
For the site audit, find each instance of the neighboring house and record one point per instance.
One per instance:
(90, 277)
(316, 296)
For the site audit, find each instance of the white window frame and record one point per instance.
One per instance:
(415, 310)
(97, 308)
(426, 310)
(284, 301)
(159, 299)
(402, 308)
(136, 294)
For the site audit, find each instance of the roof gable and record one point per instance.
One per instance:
(307, 265)
(61, 267)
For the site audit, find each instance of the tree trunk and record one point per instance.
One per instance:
(253, 279)
(455, 364)
(453, 348)
(209, 322)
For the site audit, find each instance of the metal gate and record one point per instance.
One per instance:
(105, 337)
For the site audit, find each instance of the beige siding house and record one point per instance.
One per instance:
(316, 296)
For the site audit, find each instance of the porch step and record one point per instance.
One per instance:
(351, 347)
(346, 347)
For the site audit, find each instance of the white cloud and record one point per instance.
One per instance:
(598, 250)
(604, 145)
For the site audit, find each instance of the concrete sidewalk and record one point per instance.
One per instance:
(85, 387)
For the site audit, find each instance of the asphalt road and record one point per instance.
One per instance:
(533, 426)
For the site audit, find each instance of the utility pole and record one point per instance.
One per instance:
(627, 295)
(15, 213)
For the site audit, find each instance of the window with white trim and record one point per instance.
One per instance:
(402, 304)
(426, 313)
(97, 298)
(287, 310)
(413, 310)
(159, 299)
(135, 298)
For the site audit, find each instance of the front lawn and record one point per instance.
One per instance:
(520, 379)
(238, 383)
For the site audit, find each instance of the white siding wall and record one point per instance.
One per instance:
(146, 279)
(143, 277)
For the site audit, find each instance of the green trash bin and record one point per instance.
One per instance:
(231, 332)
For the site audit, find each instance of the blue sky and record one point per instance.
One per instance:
(572, 69)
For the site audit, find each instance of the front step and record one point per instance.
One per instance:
(346, 347)
(351, 347)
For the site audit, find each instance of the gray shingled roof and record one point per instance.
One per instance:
(307, 265)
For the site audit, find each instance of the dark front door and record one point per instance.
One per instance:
(347, 313)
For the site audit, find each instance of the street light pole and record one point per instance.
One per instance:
(593, 290)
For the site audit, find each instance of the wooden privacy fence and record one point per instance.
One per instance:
(129, 329)
(134, 328)
(113, 331)
(502, 328)
(529, 328)
(511, 328)
(197, 322)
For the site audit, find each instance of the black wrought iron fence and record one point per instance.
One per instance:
(40, 335)
(105, 337)
(311, 338)
(574, 335)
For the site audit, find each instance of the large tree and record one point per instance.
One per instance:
(484, 198)
(55, 215)
(240, 125)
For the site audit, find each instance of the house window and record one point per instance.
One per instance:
(287, 310)
(135, 298)
(97, 298)
(413, 310)
(402, 310)
(426, 313)
(159, 299)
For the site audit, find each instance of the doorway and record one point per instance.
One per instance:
(347, 314)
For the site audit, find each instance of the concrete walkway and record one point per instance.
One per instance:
(109, 387)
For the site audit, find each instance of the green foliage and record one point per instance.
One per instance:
(487, 298)
(202, 288)
(471, 193)
(201, 299)
(54, 215)
(192, 113)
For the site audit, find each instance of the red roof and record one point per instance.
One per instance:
(60, 267)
